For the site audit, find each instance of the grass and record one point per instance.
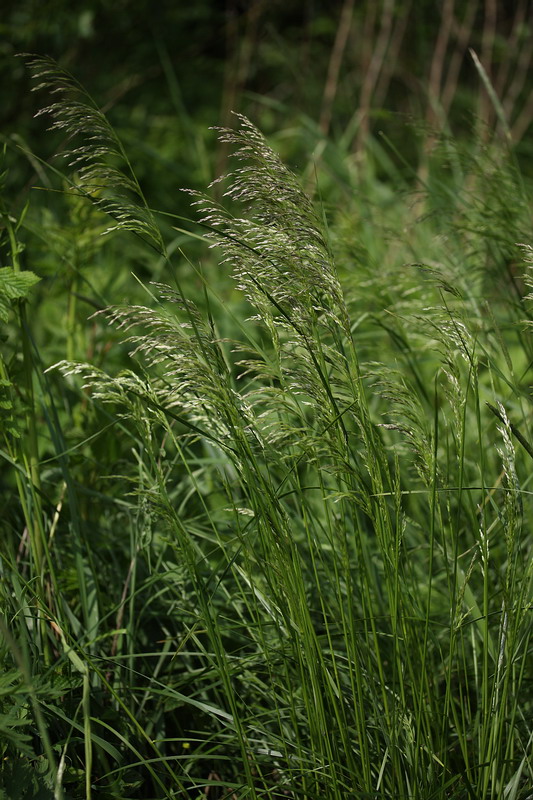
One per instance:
(283, 547)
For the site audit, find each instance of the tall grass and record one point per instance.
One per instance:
(313, 576)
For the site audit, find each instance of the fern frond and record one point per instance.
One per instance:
(14, 285)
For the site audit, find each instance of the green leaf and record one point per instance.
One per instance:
(14, 286)
(24, 779)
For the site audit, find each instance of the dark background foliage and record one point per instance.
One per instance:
(167, 72)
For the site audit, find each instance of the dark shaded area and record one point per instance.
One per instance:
(166, 73)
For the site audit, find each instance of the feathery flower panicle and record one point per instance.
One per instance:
(114, 190)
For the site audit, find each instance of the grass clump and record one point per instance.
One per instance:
(315, 577)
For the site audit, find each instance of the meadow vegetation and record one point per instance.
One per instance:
(266, 468)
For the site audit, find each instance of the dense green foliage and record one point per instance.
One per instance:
(267, 450)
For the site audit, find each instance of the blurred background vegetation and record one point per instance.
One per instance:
(307, 71)
(347, 92)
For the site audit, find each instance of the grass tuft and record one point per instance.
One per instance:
(301, 564)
